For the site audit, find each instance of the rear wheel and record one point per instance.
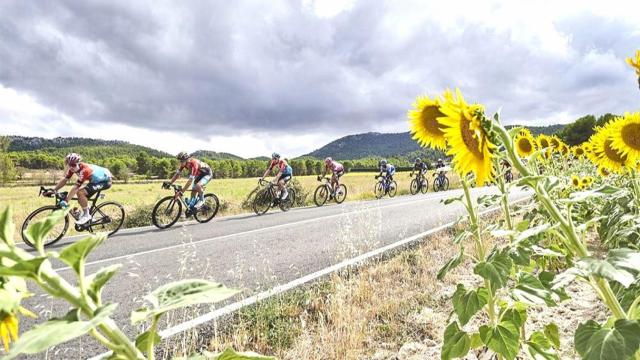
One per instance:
(56, 233)
(321, 195)
(288, 203)
(414, 187)
(436, 184)
(209, 209)
(341, 193)
(166, 212)
(379, 190)
(425, 186)
(393, 188)
(262, 201)
(107, 217)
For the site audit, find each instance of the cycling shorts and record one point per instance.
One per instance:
(93, 188)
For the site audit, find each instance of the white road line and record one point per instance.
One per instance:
(128, 256)
(228, 309)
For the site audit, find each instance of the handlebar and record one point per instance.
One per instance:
(327, 179)
(168, 186)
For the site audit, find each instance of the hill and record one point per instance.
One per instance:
(537, 130)
(216, 155)
(63, 145)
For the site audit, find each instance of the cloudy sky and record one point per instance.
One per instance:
(252, 77)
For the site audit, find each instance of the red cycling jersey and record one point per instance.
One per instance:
(281, 164)
(196, 167)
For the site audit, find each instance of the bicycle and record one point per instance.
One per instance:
(167, 211)
(441, 182)
(384, 187)
(508, 176)
(267, 197)
(419, 184)
(324, 193)
(107, 216)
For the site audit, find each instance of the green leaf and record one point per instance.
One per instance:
(57, 331)
(606, 270)
(468, 303)
(96, 281)
(534, 231)
(451, 264)
(567, 277)
(7, 227)
(504, 339)
(40, 229)
(621, 342)
(180, 294)
(142, 340)
(476, 341)
(579, 196)
(456, 342)
(530, 290)
(522, 225)
(461, 236)
(520, 255)
(25, 268)
(452, 200)
(496, 269)
(515, 316)
(74, 255)
(539, 347)
(626, 259)
(230, 354)
(553, 334)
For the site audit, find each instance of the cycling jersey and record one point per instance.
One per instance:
(196, 168)
(390, 169)
(439, 165)
(421, 166)
(89, 172)
(282, 166)
(335, 166)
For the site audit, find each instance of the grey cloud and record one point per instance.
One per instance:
(223, 67)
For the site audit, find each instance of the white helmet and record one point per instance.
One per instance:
(72, 159)
(328, 160)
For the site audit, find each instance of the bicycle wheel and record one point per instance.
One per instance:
(414, 187)
(436, 184)
(341, 194)
(289, 202)
(379, 190)
(425, 186)
(262, 201)
(209, 209)
(321, 195)
(166, 212)
(445, 184)
(108, 217)
(393, 188)
(56, 233)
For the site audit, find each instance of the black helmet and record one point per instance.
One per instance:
(182, 156)
(275, 155)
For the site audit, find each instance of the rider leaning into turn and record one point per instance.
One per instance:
(199, 175)
(419, 166)
(285, 173)
(98, 178)
(388, 169)
(337, 171)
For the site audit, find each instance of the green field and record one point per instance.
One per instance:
(232, 192)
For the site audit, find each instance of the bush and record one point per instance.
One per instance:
(139, 216)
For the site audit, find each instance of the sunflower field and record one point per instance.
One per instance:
(582, 223)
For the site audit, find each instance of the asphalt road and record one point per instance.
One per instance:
(245, 251)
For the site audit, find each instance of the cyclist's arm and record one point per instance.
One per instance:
(325, 171)
(175, 177)
(188, 183)
(267, 171)
(73, 191)
(60, 184)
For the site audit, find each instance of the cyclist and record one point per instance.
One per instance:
(98, 178)
(199, 176)
(388, 169)
(506, 167)
(337, 171)
(284, 175)
(421, 167)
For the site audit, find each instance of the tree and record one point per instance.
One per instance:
(7, 168)
(143, 162)
(603, 119)
(579, 131)
(119, 169)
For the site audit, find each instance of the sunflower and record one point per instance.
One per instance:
(555, 143)
(602, 153)
(602, 171)
(469, 144)
(578, 151)
(424, 124)
(625, 136)
(543, 141)
(575, 181)
(635, 62)
(586, 182)
(8, 329)
(525, 144)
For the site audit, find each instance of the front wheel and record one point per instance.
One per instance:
(166, 212)
(393, 188)
(425, 186)
(54, 235)
(341, 194)
(209, 209)
(107, 217)
(321, 195)
(379, 190)
(414, 187)
(288, 203)
(262, 201)
(445, 184)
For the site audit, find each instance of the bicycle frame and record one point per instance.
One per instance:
(63, 194)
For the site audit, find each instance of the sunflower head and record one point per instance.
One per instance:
(423, 122)
(602, 171)
(602, 152)
(635, 63)
(625, 136)
(578, 151)
(470, 147)
(8, 329)
(524, 142)
(585, 182)
(575, 181)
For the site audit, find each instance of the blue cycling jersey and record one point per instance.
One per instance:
(390, 169)
(287, 170)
